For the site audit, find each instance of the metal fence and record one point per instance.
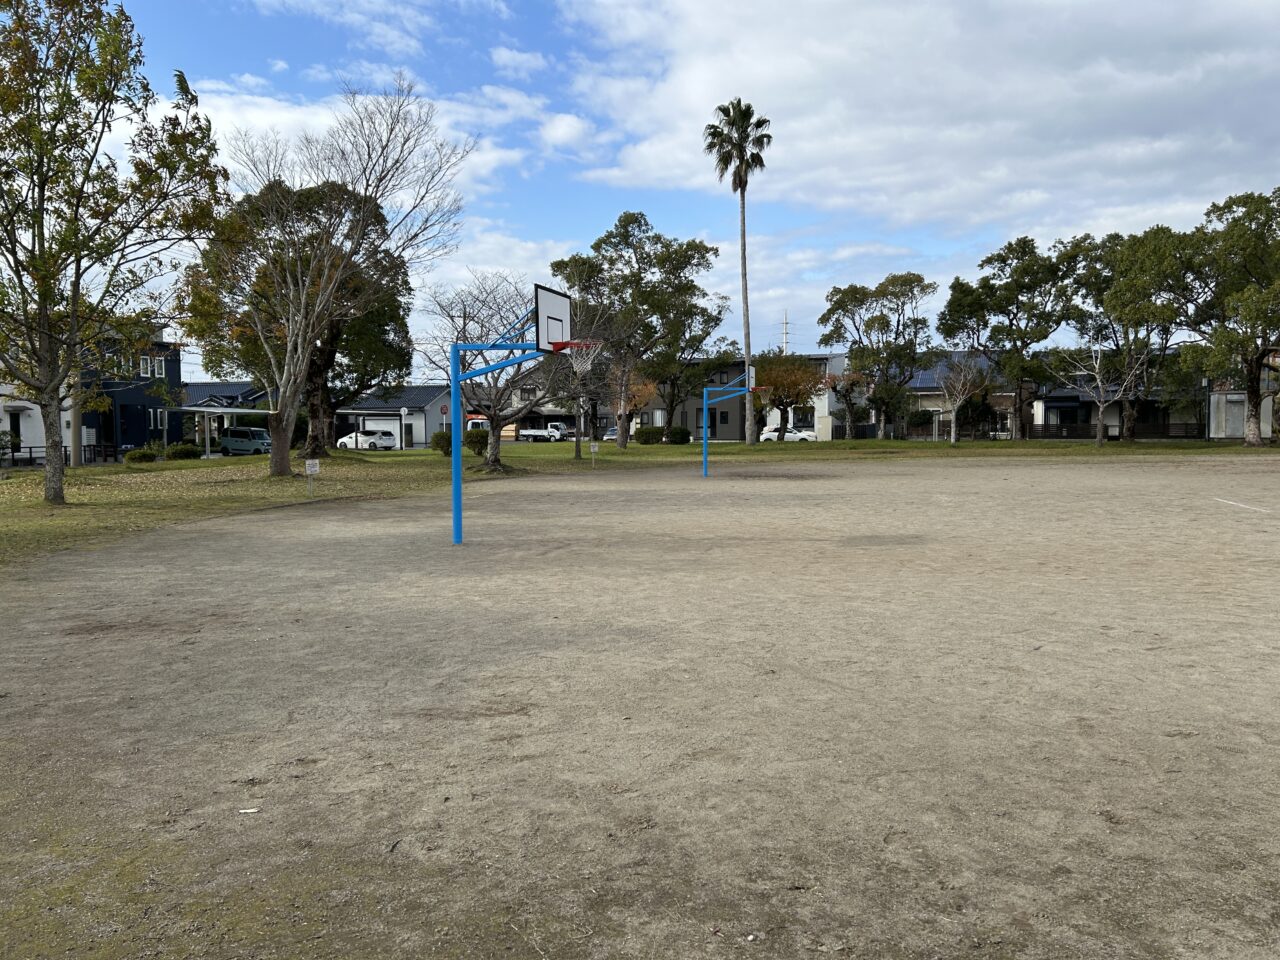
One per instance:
(34, 456)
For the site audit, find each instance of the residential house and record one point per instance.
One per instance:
(128, 407)
(412, 413)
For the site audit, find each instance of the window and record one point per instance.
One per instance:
(151, 419)
(157, 367)
(724, 418)
(528, 393)
(144, 366)
(644, 419)
(724, 376)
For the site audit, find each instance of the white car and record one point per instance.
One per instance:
(802, 436)
(369, 440)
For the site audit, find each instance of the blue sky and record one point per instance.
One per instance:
(910, 134)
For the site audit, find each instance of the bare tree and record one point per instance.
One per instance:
(481, 311)
(378, 182)
(964, 376)
(1100, 374)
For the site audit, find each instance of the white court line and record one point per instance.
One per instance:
(1244, 505)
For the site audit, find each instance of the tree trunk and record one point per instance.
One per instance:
(1015, 418)
(577, 433)
(1100, 434)
(955, 425)
(624, 429)
(77, 434)
(493, 452)
(849, 416)
(746, 313)
(54, 466)
(1129, 418)
(595, 418)
(1253, 405)
(281, 424)
(880, 418)
(668, 417)
(784, 417)
(317, 417)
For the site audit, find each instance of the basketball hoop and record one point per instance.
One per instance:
(582, 353)
(764, 393)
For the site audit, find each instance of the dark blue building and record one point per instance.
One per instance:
(138, 399)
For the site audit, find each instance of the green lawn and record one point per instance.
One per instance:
(109, 502)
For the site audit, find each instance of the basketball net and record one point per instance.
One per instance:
(582, 354)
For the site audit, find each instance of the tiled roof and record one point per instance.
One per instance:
(223, 393)
(414, 397)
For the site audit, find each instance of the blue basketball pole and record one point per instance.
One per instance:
(734, 388)
(455, 441)
(456, 379)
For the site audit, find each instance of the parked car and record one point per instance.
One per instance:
(793, 435)
(239, 441)
(611, 435)
(368, 440)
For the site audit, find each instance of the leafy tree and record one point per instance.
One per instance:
(1180, 384)
(88, 228)
(368, 346)
(682, 364)
(737, 141)
(888, 337)
(317, 211)
(1118, 282)
(792, 381)
(1245, 252)
(1020, 302)
(647, 301)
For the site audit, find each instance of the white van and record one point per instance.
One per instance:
(237, 441)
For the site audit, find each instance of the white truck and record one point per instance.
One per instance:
(552, 433)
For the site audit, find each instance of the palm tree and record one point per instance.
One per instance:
(738, 140)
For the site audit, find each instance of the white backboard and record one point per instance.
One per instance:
(551, 308)
(751, 377)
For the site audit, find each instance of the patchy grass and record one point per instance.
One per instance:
(109, 502)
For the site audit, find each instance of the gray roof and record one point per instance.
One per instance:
(414, 397)
(234, 393)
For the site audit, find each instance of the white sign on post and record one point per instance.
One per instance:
(404, 411)
(313, 468)
(595, 447)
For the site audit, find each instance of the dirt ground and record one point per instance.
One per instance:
(926, 709)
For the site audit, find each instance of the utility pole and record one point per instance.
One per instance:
(786, 332)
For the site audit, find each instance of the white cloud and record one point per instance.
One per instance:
(565, 131)
(318, 73)
(394, 27)
(278, 66)
(250, 81)
(1001, 112)
(516, 64)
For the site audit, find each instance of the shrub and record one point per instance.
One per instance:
(920, 418)
(141, 455)
(442, 440)
(681, 435)
(182, 451)
(477, 441)
(646, 436)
